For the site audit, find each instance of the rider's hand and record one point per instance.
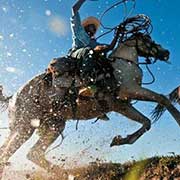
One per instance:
(120, 29)
(100, 48)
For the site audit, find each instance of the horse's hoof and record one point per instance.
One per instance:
(117, 140)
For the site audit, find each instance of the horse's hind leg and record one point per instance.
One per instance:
(47, 135)
(140, 93)
(16, 138)
(133, 114)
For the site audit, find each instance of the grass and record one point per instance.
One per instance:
(155, 168)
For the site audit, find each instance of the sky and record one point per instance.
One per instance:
(33, 32)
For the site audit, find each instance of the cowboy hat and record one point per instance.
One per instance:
(91, 20)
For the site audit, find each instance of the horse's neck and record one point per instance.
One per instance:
(125, 51)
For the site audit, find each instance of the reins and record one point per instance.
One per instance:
(148, 61)
(151, 74)
(131, 26)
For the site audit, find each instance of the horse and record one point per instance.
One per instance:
(34, 105)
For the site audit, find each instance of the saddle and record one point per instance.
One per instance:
(65, 72)
(61, 68)
(61, 65)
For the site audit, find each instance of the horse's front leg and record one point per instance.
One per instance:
(133, 114)
(140, 93)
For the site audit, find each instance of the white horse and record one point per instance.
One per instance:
(39, 106)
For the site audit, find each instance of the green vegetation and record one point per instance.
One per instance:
(166, 167)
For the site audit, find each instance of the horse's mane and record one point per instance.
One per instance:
(138, 35)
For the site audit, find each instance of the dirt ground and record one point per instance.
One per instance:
(156, 168)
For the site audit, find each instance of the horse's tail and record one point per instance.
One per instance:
(174, 97)
(4, 100)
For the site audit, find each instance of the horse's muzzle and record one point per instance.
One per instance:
(164, 56)
(167, 55)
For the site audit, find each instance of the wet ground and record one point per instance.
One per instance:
(156, 168)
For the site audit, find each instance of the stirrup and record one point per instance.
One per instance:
(89, 91)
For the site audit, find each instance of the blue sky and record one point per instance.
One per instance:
(33, 32)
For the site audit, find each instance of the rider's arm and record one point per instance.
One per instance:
(77, 6)
(79, 36)
(113, 42)
(106, 48)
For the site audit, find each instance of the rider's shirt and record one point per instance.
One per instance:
(79, 36)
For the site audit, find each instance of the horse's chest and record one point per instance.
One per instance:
(127, 73)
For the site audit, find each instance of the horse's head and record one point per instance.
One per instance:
(146, 47)
(139, 44)
(135, 40)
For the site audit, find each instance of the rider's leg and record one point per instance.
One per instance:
(88, 69)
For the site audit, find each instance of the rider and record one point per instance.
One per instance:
(85, 47)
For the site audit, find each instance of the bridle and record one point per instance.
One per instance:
(148, 60)
(149, 47)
